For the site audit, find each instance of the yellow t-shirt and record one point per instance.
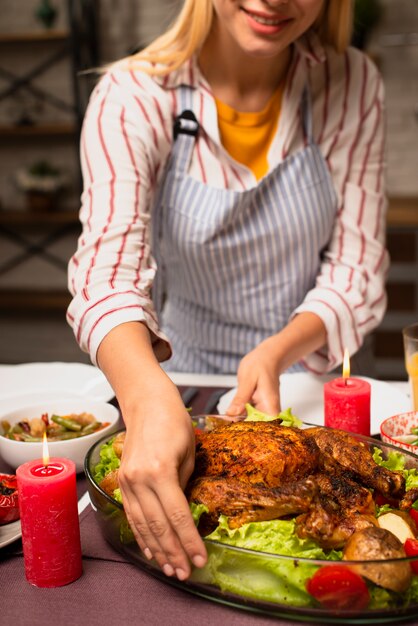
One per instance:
(247, 136)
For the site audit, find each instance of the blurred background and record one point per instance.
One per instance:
(44, 45)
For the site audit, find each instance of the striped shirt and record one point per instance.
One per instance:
(125, 144)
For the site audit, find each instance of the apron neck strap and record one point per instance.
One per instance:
(185, 130)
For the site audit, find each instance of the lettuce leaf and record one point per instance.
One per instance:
(268, 577)
(108, 461)
(396, 462)
(197, 511)
(287, 418)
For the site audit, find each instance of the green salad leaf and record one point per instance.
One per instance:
(266, 577)
(396, 462)
(197, 511)
(287, 418)
(108, 461)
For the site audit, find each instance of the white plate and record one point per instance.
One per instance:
(55, 378)
(13, 531)
(9, 533)
(303, 393)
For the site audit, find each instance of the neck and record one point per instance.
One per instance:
(246, 83)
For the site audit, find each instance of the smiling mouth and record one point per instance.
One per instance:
(265, 20)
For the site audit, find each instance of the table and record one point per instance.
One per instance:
(111, 590)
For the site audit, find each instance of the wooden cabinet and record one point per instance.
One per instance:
(42, 66)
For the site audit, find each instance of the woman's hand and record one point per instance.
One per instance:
(259, 371)
(258, 382)
(158, 454)
(157, 460)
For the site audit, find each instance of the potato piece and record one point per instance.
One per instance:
(378, 544)
(82, 418)
(110, 482)
(399, 523)
(37, 427)
(117, 444)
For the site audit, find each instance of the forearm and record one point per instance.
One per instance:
(127, 359)
(304, 334)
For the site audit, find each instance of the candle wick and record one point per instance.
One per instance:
(345, 381)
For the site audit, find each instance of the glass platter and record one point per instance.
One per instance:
(260, 567)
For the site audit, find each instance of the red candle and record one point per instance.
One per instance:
(49, 519)
(347, 403)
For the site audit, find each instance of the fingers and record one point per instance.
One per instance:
(269, 403)
(267, 395)
(163, 527)
(263, 393)
(244, 395)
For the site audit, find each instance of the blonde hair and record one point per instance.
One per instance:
(191, 27)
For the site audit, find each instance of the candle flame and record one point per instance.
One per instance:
(346, 365)
(45, 451)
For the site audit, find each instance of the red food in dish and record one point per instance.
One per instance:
(414, 514)
(337, 588)
(9, 504)
(411, 549)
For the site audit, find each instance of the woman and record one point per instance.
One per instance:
(265, 217)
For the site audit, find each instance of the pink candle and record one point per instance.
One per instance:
(49, 519)
(347, 403)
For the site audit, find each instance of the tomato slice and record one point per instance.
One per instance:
(411, 549)
(337, 587)
(9, 505)
(414, 514)
(380, 500)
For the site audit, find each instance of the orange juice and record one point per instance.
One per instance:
(411, 362)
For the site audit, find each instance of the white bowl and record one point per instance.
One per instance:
(14, 453)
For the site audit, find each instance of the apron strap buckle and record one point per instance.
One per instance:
(186, 124)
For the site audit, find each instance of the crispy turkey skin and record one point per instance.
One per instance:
(256, 452)
(247, 471)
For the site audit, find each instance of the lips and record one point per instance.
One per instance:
(266, 19)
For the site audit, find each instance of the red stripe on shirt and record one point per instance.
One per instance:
(162, 120)
(343, 109)
(359, 221)
(237, 176)
(112, 196)
(89, 192)
(110, 312)
(147, 119)
(136, 201)
(104, 299)
(347, 306)
(366, 321)
(331, 308)
(369, 145)
(378, 217)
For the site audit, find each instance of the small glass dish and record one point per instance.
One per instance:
(259, 582)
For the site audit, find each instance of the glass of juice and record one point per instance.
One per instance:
(410, 341)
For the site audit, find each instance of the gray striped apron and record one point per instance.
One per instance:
(234, 265)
